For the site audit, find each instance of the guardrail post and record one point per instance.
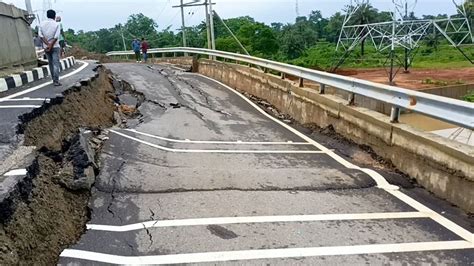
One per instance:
(351, 99)
(283, 75)
(301, 83)
(322, 88)
(395, 114)
(174, 54)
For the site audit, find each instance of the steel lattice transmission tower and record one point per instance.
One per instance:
(403, 32)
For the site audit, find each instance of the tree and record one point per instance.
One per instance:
(333, 28)
(139, 26)
(259, 38)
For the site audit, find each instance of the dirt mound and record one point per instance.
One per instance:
(89, 105)
(82, 54)
(49, 210)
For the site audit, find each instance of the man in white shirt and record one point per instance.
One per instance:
(49, 32)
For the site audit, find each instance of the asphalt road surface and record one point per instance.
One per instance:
(205, 176)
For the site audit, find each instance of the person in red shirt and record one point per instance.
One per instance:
(144, 49)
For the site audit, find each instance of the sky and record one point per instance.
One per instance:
(93, 15)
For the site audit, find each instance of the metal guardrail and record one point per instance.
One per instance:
(446, 109)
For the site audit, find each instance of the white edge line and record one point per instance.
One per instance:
(381, 181)
(216, 151)
(16, 172)
(256, 219)
(267, 253)
(85, 64)
(25, 99)
(217, 142)
(18, 106)
(445, 222)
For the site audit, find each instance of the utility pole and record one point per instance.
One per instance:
(123, 41)
(183, 27)
(211, 18)
(208, 28)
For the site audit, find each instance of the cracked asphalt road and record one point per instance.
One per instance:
(18, 101)
(204, 177)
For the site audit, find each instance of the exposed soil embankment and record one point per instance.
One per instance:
(49, 210)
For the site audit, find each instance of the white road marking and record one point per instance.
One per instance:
(267, 253)
(215, 151)
(257, 219)
(381, 181)
(18, 106)
(216, 142)
(16, 172)
(85, 64)
(25, 99)
(453, 227)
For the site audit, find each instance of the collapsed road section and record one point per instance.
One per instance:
(43, 200)
(195, 172)
(204, 175)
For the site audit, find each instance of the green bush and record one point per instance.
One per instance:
(469, 97)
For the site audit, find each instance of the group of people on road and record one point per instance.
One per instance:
(140, 47)
(50, 37)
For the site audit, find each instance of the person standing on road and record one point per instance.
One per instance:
(38, 42)
(144, 50)
(136, 48)
(49, 33)
(62, 40)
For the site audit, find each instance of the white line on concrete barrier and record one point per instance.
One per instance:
(266, 253)
(85, 64)
(3, 85)
(214, 151)
(379, 179)
(17, 79)
(16, 172)
(257, 219)
(18, 106)
(217, 142)
(29, 76)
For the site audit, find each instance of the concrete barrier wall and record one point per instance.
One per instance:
(444, 167)
(455, 91)
(16, 39)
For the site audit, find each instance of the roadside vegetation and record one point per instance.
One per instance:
(469, 97)
(310, 41)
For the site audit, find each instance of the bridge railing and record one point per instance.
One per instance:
(453, 111)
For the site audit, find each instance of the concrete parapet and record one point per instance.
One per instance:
(16, 42)
(442, 166)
